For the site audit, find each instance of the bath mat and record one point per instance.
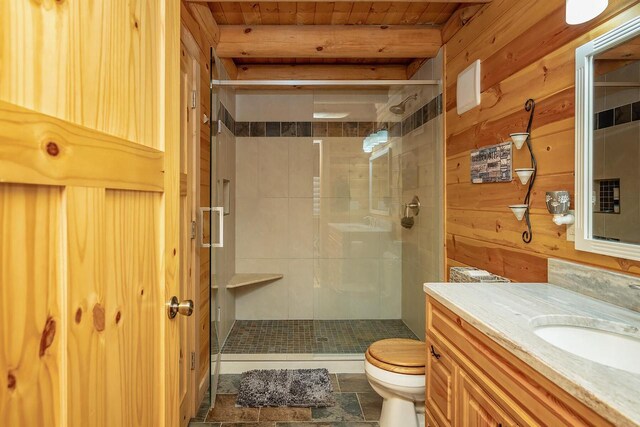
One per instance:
(286, 387)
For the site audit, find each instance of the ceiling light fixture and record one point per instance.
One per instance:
(580, 11)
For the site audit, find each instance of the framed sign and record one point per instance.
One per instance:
(491, 164)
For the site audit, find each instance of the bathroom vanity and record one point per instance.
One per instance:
(493, 357)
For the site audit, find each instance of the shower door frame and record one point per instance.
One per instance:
(323, 83)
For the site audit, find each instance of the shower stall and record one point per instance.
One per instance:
(332, 217)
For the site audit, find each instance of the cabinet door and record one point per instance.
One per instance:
(441, 371)
(476, 408)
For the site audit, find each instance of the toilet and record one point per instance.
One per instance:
(395, 369)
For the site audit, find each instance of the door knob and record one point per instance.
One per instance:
(174, 307)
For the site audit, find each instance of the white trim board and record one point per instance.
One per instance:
(334, 363)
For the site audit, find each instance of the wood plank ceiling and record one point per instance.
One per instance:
(385, 40)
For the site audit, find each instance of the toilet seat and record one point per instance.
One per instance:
(399, 355)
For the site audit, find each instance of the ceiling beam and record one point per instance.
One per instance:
(328, 41)
(337, 1)
(230, 67)
(321, 72)
(211, 33)
(414, 66)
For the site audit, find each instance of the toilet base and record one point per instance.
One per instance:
(398, 412)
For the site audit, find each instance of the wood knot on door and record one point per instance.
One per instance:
(98, 317)
(48, 335)
(11, 381)
(52, 149)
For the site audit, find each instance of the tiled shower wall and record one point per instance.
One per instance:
(290, 223)
(291, 209)
(274, 198)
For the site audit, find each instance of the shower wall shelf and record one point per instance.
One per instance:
(522, 210)
(246, 279)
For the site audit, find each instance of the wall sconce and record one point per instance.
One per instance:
(580, 11)
(525, 174)
(519, 211)
(558, 204)
(519, 139)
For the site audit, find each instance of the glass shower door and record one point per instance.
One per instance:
(358, 247)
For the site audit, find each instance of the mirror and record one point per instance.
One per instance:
(608, 143)
(380, 181)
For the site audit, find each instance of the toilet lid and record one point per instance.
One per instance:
(398, 355)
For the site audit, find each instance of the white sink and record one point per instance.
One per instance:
(598, 345)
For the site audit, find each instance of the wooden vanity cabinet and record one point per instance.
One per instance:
(471, 381)
(476, 408)
(440, 385)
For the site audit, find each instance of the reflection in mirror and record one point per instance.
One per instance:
(380, 181)
(615, 197)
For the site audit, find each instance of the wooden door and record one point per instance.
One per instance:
(476, 408)
(89, 212)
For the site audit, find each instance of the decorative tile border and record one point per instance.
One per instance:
(307, 129)
(418, 118)
(422, 115)
(226, 118)
(617, 116)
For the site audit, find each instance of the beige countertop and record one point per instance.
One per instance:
(507, 313)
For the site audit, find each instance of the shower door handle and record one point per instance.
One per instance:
(220, 243)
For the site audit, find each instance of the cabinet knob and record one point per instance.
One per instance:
(434, 353)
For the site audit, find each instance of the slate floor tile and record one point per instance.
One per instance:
(371, 404)
(347, 408)
(285, 414)
(228, 383)
(226, 410)
(354, 383)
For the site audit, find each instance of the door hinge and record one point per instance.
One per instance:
(194, 100)
(193, 361)
(193, 229)
(220, 126)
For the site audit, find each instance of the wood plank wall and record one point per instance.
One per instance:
(527, 51)
(194, 17)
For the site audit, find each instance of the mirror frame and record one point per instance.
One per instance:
(584, 143)
(375, 155)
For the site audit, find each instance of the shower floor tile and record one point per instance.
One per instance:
(311, 336)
